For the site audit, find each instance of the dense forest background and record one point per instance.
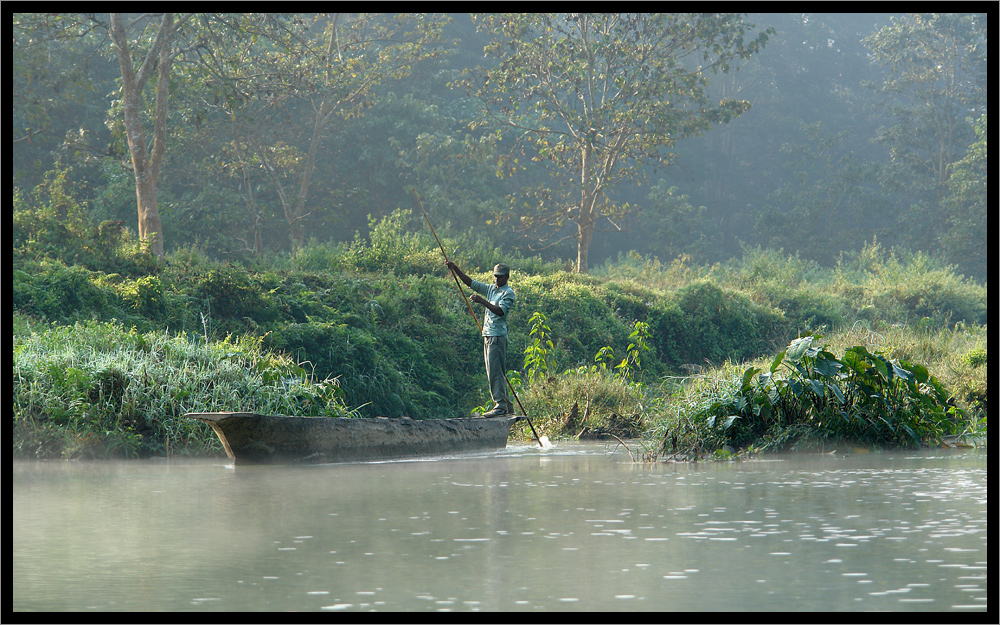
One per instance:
(277, 131)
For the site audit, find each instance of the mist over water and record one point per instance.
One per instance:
(576, 527)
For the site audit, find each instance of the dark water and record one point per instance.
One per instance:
(574, 528)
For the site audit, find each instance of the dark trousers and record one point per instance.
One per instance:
(495, 354)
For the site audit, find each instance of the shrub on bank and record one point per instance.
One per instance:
(806, 396)
(914, 289)
(49, 223)
(714, 324)
(53, 291)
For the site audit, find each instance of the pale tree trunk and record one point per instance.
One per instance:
(253, 210)
(146, 164)
(593, 181)
(584, 233)
(294, 205)
(295, 215)
(585, 218)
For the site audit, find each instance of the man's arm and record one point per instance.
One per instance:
(458, 272)
(478, 299)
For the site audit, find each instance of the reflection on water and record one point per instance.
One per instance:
(572, 528)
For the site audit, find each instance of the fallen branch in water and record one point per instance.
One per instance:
(622, 443)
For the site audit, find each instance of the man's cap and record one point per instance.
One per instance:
(501, 270)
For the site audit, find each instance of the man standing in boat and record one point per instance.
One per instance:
(496, 298)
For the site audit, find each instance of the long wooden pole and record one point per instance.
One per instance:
(443, 253)
(471, 312)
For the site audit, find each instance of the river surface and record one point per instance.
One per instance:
(574, 528)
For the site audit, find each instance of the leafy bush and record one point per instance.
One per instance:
(351, 356)
(934, 294)
(318, 257)
(50, 290)
(910, 289)
(145, 297)
(648, 271)
(51, 223)
(976, 357)
(807, 394)
(712, 324)
(231, 300)
(390, 249)
(768, 270)
(810, 308)
(228, 292)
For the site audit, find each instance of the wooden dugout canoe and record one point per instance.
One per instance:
(260, 439)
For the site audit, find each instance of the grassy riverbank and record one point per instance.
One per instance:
(97, 390)
(111, 350)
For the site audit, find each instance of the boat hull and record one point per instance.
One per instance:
(250, 438)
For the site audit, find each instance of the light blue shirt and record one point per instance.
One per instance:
(502, 296)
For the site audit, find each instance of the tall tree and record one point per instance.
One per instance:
(937, 84)
(146, 161)
(595, 96)
(327, 73)
(965, 242)
(146, 49)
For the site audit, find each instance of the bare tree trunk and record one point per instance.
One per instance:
(586, 221)
(146, 165)
(584, 233)
(592, 183)
(297, 215)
